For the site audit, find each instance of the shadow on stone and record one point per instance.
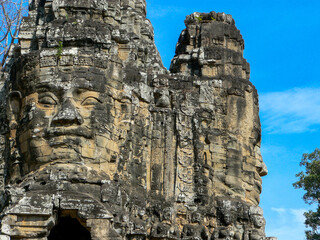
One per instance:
(68, 229)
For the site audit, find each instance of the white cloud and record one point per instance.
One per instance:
(281, 215)
(291, 214)
(298, 215)
(292, 111)
(288, 232)
(289, 224)
(279, 210)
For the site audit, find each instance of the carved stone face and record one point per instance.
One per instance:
(167, 214)
(196, 217)
(227, 218)
(258, 221)
(256, 215)
(64, 117)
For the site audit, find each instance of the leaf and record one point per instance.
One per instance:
(199, 18)
(309, 180)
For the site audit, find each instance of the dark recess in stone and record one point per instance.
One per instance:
(69, 229)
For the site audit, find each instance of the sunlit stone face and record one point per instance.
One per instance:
(256, 215)
(64, 118)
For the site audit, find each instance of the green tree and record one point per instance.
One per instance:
(309, 180)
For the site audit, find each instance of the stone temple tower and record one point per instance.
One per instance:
(100, 141)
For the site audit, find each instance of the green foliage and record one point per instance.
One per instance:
(199, 18)
(309, 180)
(212, 18)
(59, 50)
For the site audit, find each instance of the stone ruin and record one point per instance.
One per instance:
(100, 141)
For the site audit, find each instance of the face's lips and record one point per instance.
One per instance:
(62, 131)
(259, 186)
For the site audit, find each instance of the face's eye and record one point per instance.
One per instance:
(90, 101)
(47, 101)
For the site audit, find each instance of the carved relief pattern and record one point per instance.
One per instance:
(95, 129)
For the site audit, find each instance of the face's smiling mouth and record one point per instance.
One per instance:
(68, 131)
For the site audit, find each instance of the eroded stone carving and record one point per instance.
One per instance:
(97, 132)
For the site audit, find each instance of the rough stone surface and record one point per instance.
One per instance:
(96, 131)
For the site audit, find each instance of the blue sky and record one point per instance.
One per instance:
(282, 47)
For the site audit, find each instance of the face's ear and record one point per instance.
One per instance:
(14, 107)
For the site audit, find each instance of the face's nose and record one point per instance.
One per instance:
(260, 165)
(67, 115)
(263, 170)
